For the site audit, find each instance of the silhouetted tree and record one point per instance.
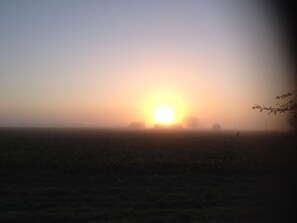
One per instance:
(191, 122)
(289, 105)
(216, 127)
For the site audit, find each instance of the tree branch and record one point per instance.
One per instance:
(290, 105)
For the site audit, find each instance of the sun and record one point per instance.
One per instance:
(164, 115)
(163, 108)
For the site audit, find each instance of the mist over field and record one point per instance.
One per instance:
(109, 63)
(148, 111)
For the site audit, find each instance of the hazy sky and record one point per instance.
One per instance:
(107, 63)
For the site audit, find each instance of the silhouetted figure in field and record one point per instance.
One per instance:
(237, 133)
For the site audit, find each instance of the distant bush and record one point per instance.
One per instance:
(216, 127)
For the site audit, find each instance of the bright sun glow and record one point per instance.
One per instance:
(164, 115)
(164, 107)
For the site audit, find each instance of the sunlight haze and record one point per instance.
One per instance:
(110, 63)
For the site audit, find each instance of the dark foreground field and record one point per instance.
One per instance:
(145, 176)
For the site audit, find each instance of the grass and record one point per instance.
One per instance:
(68, 175)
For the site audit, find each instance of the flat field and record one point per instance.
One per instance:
(101, 175)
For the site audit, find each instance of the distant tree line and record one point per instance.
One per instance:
(191, 122)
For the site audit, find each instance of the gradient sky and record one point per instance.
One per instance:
(107, 63)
